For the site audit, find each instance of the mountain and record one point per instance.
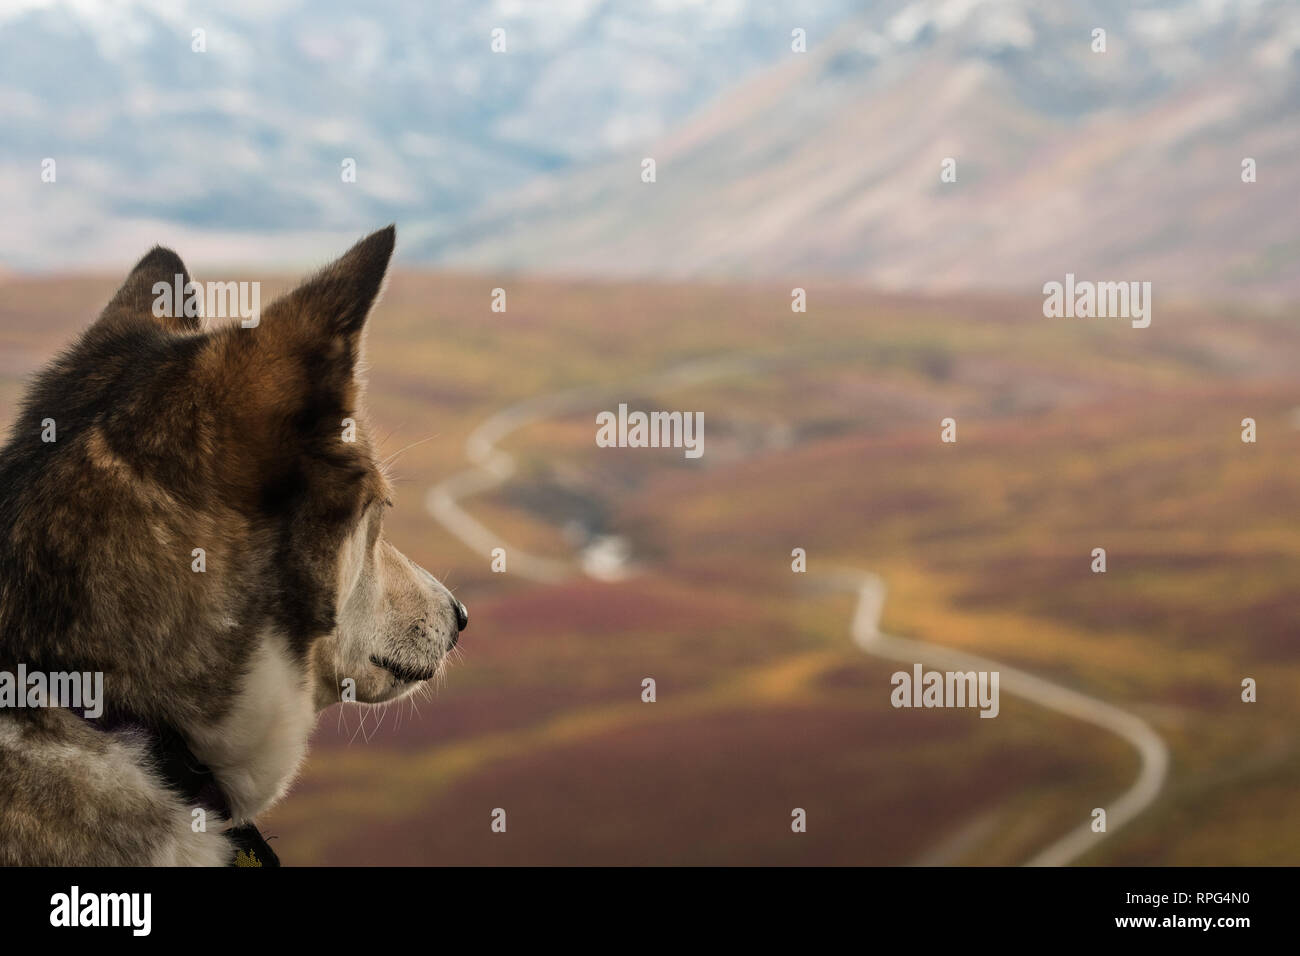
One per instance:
(1122, 165)
(237, 151)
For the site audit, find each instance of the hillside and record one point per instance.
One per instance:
(1072, 435)
(1120, 165)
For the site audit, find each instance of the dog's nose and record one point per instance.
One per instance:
(462, 617)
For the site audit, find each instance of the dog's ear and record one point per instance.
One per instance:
(136, 298)
(336, 301)
(288, 383)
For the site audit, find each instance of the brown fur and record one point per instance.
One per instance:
(171, 438)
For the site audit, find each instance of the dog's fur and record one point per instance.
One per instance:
(170, 437)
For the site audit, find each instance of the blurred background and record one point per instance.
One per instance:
(775, 169)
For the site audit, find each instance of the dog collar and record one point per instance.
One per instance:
(188, 776)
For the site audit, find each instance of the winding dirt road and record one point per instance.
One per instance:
(1151, 749)
(492, 467)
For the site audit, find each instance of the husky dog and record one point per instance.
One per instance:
(148, 440)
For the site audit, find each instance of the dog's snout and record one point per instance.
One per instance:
(462, 620)
(457, 608)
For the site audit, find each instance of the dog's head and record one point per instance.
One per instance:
(384, 624)
(211, 493)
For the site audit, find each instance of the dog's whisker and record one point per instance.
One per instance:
(402, 451)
